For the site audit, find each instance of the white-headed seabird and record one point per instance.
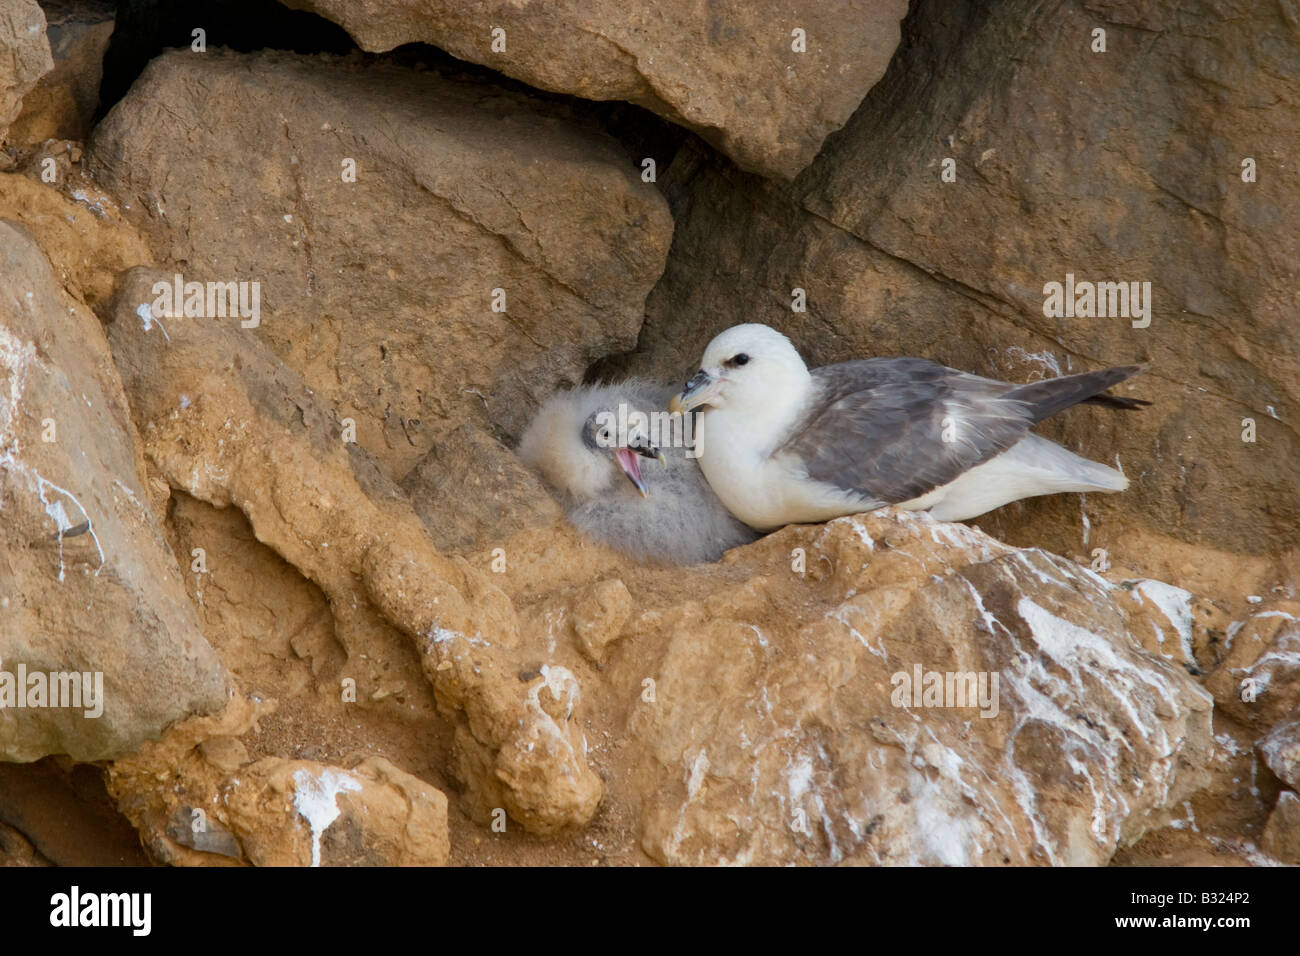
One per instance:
(665, 515)
(784, 445)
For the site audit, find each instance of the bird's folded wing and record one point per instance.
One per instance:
(893, 429)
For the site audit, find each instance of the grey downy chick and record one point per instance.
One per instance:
(651, 503)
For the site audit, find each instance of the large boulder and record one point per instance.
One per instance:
(381, 291)
(763, 82)
(1124, 166)
(89, 589)
(893, 689)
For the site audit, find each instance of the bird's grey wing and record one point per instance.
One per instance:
(893, 429)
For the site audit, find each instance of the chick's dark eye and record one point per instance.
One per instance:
(739, 360)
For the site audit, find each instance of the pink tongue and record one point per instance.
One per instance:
(630, 462)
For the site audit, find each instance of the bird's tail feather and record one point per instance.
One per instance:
(1120, 402)
(1049, 396)
(1062, 468)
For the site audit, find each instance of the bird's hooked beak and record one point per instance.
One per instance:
(702, 389)
(628, 459)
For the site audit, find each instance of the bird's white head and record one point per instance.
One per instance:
(752, 370)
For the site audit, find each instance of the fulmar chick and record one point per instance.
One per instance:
(666, 513)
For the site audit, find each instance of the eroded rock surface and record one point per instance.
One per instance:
(429, 253)
(25, 57)
(763, 82)
(783, 731)
(88, 585)
(370, 815)
(62, 103)
(272, 811)
(247, 431)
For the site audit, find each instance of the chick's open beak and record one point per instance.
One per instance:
(637, 447)
(700, 390)
(629, 461)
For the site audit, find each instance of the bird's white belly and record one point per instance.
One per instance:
(768, 493)
(974, 492)
(1032, 467)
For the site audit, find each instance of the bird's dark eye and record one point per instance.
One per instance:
(739, 360)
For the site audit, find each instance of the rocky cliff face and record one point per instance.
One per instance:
(336, 620)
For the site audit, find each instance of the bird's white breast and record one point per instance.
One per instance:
(763, 490)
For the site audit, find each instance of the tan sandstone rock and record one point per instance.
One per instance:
(77, 225)
(63, 102)
(380, 288)
(87, 581)
(25, 57)
(731, 71)
(297, 813)
(223, 420)
(227, 809)
(471, 491)
(788, 723)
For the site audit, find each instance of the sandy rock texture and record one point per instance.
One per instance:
(469, 465)
(730, 71)
(87, 582)
(24, 57)
(62, 103)
(248, 432)
(380, 290)
(232, 809)
(77, 225)
(809, 744)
